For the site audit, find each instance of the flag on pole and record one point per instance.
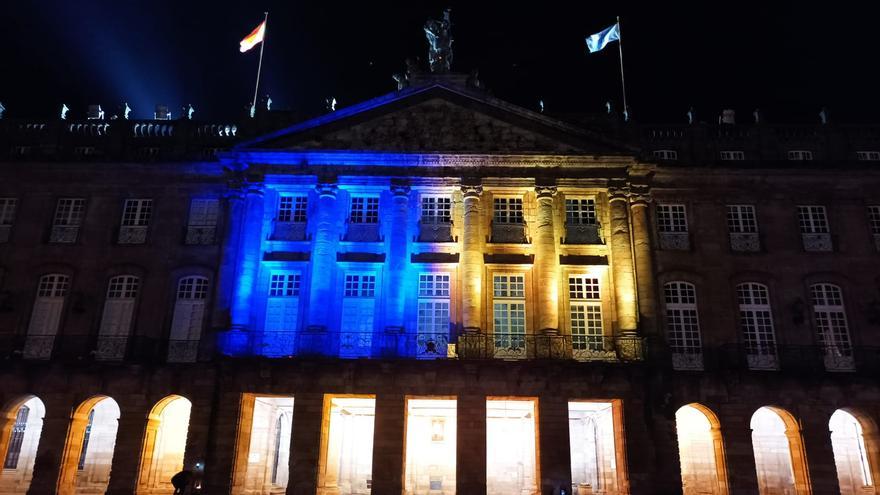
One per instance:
(601, 39)
(252, 39)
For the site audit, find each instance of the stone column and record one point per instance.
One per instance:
(128, 450)
(623, 271)
(397, 251)
(323, 256)
(388, 438)
(470, 448)
(471, 259)
(231, 427)
(250, 252)
(641, 226)
(740, 454)
(554, 447)
(231, 240)
(546, 263)
(52, 451)
(305, 443)
(820, 475)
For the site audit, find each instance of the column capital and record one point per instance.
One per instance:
(400, 190)
(472, 190)
(327, 189)
(640, 195)
(546, 192)
(618, 192)
(239, 189)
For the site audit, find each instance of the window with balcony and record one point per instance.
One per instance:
(68, 217)
(435, 220)
(667, 155)
(508, 224)
(201, 229)
(581, 224)
(46, 316)
(829, 316)
(868, 156)
(815, 233)
(282, 314)
(874, 224)
(433, 315)
(742, 226)
(188, 319)
(683, 326)
(363, 219)
(509, 316)
(672, 227)
(358, 313)
(729, 155)
(585, 316)
(290, 220)
(800, 155)
(7, 217)
(136, 215)
(117, 318)
(756, 324)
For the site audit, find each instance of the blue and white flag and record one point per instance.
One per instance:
(599, 40)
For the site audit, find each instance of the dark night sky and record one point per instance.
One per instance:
(788, 58)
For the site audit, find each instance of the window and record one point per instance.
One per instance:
(509, 312)
(800, 155)
(13, 452)
(733, 155)
(284, 285)
(756, 319)
(292, 209)
(874, 219)
(868, 156)
(69, 212)
(433, 305)
(682, 322)
(85, 445)
(360, 285)
(46, 316)
(282, 313)
(436, 209)
(433, 285)
(671, 218)
(7, 210)
(580, 211)
(830, 318)
(666, 154)
(364, 209)
(741, 219)
(137, 212)
(586, 313)
(188, 318)
(812, 220)
(117, 318)
(508, 210)
(204, 212)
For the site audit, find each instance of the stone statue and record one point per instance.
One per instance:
(541, 105)
(757, 116)
(190, 111)
(692, 115)
(268, 103)
(608, 107)
(64, 110)
(474, 80)
(402, 80)
(823, 116)
(330, 103)
(439, 35)
(253, 109)
(126, 111)
(2, 109)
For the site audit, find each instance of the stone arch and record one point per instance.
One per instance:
(780, 458)
(855, 441)
(162, 453)
(21, 424)
(88, 449)
(701, 451)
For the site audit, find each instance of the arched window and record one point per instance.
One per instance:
(756, 323)
(700, 451)
(779, 453)
(91, 440)
(164, 444)
(832, 330)
(683, 325)
(21, 441)
(187, 322)
(118, 316)
(852, 452)
(46, 316)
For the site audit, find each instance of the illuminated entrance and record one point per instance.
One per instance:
(164, 445)
(593, 447)
(262, 460)
(88, 453)
(779, 453)
(22, 424)
(700, 451)
(854, 440)
(346, 466)
(511, 437)
(430, 446)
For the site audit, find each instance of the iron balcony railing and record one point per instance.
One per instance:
(85, 348)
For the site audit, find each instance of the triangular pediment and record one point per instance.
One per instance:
(438, 119)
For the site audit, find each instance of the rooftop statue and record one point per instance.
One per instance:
(64, 110)
(439, 35)
(2, 109)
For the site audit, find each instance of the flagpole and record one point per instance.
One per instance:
(620, 51)
(260, 64)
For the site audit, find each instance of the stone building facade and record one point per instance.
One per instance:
(438, 292)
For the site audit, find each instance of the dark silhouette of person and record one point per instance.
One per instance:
(182, 481)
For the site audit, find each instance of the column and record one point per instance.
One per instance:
(53, 450)
(739, 452)
(397, 251)
(470, 448)
(231, 239)
(554, 446)
(471, 259)
(198, 435)
(546, 263)
(818, 453)
(305, 443)
(623, 271)
(128, 450)
(641, 225)
(250, 252)
(388, 439)
(323, 257)
(230, 430)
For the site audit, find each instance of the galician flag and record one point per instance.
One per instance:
(599, 40)
(252, 39)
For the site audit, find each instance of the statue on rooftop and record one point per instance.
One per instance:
(439, 35)
(2, 109)
(126, 110)
(190, 111)
(64, 111)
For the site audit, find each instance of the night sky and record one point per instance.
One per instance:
(787, 58)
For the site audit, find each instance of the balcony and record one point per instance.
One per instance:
(435, 232)
(362, 232)
(182, 351)
(508, 233)
(38, 347)
(582, 234)
(745, 242)
(817, 243)
(687, 359)
(133, 234)
(674, 241)
(111, 348)
(200, 235)
(64, 234)
(289, 231)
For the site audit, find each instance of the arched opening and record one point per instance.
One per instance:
(780, 459)
(854, 441)
(164, 445)
(700, 451)
(88, 451)
(511, 438)
(262, 457)
(20, 427)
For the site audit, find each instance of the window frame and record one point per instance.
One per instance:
(505, 211)
(684, 309)
(364, 210)
(811, 223)
(581, 210)
(435, 209)
(669, 221)
(738, 221)
(799, 155)
(211, 215)
(137, 212)
(8, 210)
(69, 212)
(294, 212)
(732, 155)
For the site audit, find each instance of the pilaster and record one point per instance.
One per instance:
(248, 256)
(546, 263)
(323, 256)
(622, 267)
(640, 199)
(471, 258)
(388, 443)
(397, 253)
